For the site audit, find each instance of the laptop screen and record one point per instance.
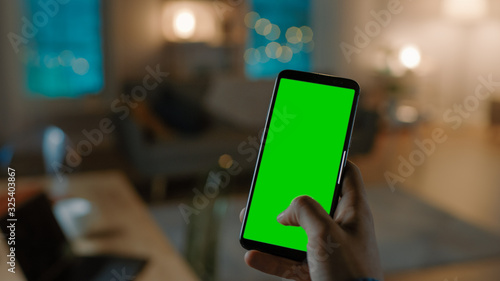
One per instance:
(39, 241)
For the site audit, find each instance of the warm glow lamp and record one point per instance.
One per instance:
(190, 21)
(410, 57)
(465, 10)
(184, 24)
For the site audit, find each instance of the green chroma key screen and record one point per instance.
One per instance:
(302, 156)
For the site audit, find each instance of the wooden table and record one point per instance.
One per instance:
(123, 226)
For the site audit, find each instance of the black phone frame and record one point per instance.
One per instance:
(324, 79)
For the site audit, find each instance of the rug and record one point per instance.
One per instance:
(411, 234)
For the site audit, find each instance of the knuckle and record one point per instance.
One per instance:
(304, 201)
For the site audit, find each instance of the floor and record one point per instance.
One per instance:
(487, 269)
(461, 176)
(458, 176)
(410, 235)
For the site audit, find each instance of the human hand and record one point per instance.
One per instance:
(342, 248)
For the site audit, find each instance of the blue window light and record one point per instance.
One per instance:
(65, 57)
(279, 37)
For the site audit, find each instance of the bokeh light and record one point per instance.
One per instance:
(410, 56)
(273, 50)
(80, 66)
(298, 39)
(260, 26)
(307, 34)
(252, 56)
(293, 35)
(465, 10)
(184, 24)
(225, 161)
(251, 18)
(296, 48)
(286, 54)
(66, 58)
(50, 61)
(274, 32)
(407, 114)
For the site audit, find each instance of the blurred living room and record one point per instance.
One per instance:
(140, 123)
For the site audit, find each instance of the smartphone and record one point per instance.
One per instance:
(303, 151)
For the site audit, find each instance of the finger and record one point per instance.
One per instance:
(353, 180)
(352, 192)
(304, 211)
(242, 214)
(353, 196)
(277, 266)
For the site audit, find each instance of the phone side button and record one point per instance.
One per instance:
(342, 165)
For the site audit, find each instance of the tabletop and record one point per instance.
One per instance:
(123, 227)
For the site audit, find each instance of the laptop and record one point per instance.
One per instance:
(44, 254)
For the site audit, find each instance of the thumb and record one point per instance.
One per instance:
(306, 212)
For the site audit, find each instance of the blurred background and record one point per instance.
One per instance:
(165, 100)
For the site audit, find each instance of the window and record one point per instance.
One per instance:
(64, 58)
(279, 37)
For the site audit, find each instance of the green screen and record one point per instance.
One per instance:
(301, 156)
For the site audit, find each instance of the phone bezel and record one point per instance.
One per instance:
(306, 77)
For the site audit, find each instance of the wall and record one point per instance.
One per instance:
(136, 36)
(12, 112)
(132, 41)
(454, 54)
